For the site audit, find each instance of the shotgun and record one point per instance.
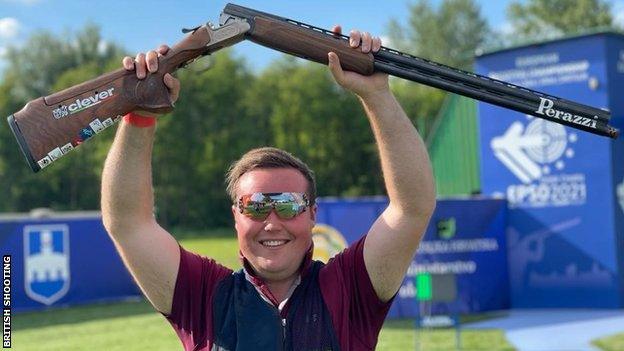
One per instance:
(49, 127)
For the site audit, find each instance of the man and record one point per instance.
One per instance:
(281, 299)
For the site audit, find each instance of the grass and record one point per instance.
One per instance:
(120, 326)
(220, 244)
(400, 335)
(136, 326)
(610, 343)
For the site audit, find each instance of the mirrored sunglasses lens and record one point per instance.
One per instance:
(287, 209)
(257, 212)
(259, 205)
(255, 206)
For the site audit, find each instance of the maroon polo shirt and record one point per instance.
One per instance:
(356, 311)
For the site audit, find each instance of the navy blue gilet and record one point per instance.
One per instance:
(243, 321)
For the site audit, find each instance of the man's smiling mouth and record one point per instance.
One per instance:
(273, 243)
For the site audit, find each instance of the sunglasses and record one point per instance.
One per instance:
(258, 206)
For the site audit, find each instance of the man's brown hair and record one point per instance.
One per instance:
(268, 157)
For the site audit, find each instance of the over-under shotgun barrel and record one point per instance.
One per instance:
(315, 43)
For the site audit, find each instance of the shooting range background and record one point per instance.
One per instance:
(565, 215)
(532, 250)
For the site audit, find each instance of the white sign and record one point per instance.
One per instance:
(537, 156)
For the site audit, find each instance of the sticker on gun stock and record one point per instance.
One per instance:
(86, 133)
(67, 148)
(77, 141)
(97, 126)
(55, 154)
(107, 122)
(44, 162)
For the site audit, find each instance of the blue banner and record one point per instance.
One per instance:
(615, 72)
(63, 261)
(558, 180)
(464, 237)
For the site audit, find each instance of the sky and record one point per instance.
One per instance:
(141, 25)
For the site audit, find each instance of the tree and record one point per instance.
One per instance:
(45, 64)
(312, 117)
(550, 18)
(194, 146)
(45, 57)
(449, 34)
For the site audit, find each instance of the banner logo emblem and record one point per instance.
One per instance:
(46, 266)
(537, 156)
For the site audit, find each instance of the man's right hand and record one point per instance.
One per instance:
(149, 252)
(148, 63)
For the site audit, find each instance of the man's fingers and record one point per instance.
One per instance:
(366, 42)
(152, 61)
(163, 49)
(376, 44)
(337, 29)
(174, 86)
(335, 68)
(354, 38)
(140, 65)
(128, 63)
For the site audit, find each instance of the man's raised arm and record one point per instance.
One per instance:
(395, 235)
(150, 253)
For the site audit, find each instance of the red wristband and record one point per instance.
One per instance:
(139, 121)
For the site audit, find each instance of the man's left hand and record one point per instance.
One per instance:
(363, 86)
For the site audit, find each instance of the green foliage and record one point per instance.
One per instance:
(450, 34)
(610, 343)
(222, 113)
(208, 130)
(35, 67)
(43, 65)
(312, 117)
(539, 19)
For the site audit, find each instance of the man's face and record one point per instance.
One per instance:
(294, 235)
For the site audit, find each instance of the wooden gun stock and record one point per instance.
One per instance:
(49, 127)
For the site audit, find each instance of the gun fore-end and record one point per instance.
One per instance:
(300, 39)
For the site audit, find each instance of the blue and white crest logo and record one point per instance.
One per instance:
(46, 262)
(537, 156)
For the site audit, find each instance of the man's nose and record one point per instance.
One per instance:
(273, 221)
